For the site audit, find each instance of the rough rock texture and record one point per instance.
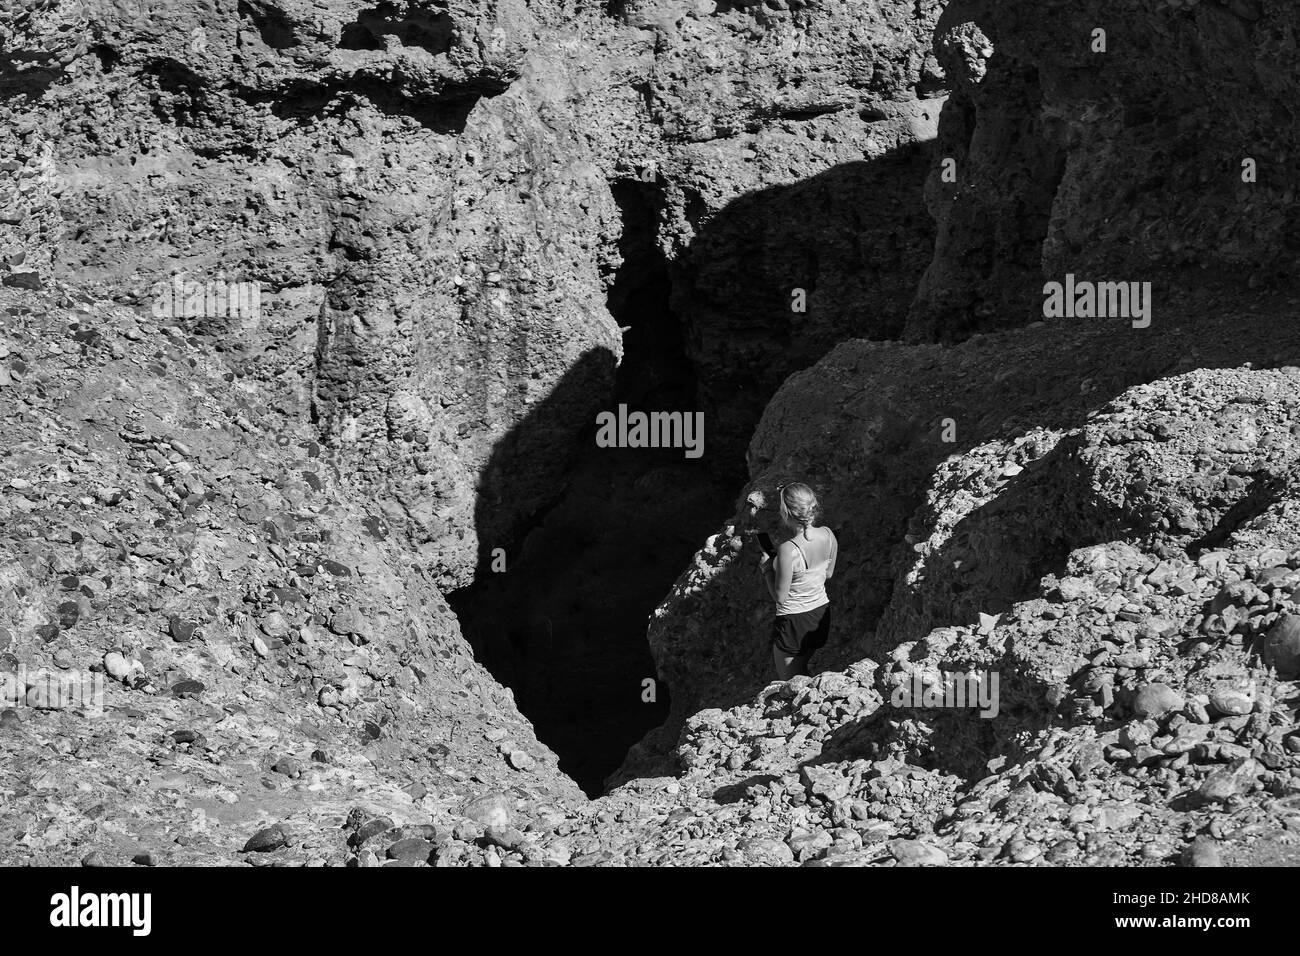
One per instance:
(867, 427)
(434, 199)
(448, 210)
(243, 526)
(778, 150)
(269, 654)
(402, 180)
(1131, 576)
(1124, 164)
(793, 147)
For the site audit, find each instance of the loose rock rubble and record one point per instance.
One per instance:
(282, 685)
(1131, 579)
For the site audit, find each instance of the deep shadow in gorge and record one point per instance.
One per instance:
(855, 237)
(564, 625)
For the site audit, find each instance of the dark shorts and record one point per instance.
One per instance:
(797, 635)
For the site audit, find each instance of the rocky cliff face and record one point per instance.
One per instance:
(268, 655)
(1043, 112)
(1102, 523)
(1118, 141)
(872, 424)
(426, 195)
(795, 140)
(1117, 545)
(471, 226)
(446, 212)
(401, 180)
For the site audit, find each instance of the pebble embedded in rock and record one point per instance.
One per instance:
(506, 837)
(1231, 701)
(917, 853)
(1282, 647)
(181, 631)
(492, 809)
(1156, 700)
(766, 851)
(288, 766)
(274, 625)
(1222, 785)
(520, 760)
(371, 828)
(188, 688)
(69, 614)
(411, 848)
(117, 666)
(348, 620)
(192, 739)
(267, 839)
(1203, 851)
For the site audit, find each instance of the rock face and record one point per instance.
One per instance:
(192, 592)
(400, 182)
(226, 533)
(1109, 154)
(792, 148)
(435, 204)
(424, 228)
(457, 220)
(1132, 705)
(1023, 481)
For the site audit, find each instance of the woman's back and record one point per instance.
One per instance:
(811, 554)
(815, 544)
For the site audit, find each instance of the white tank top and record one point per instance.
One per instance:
(807, 586)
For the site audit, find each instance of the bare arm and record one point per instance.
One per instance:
(835, 552)
(765, 566)
(783, 572)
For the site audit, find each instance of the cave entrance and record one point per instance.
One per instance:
(565, 626)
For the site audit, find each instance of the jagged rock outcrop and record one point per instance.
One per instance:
(794, 145)
(1116, 155)
(242, 525)
(433, 203)
(427, 197)
(267, 653)
(402, 180)
(1134, 594)
(867, 426)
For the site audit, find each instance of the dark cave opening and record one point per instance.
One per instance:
(565, 626)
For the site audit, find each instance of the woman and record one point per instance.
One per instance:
(796, 578)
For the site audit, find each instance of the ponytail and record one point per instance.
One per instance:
(798, 504)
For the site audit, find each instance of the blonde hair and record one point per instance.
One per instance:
(798, 504)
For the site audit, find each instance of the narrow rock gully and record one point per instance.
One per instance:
(565, 625)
